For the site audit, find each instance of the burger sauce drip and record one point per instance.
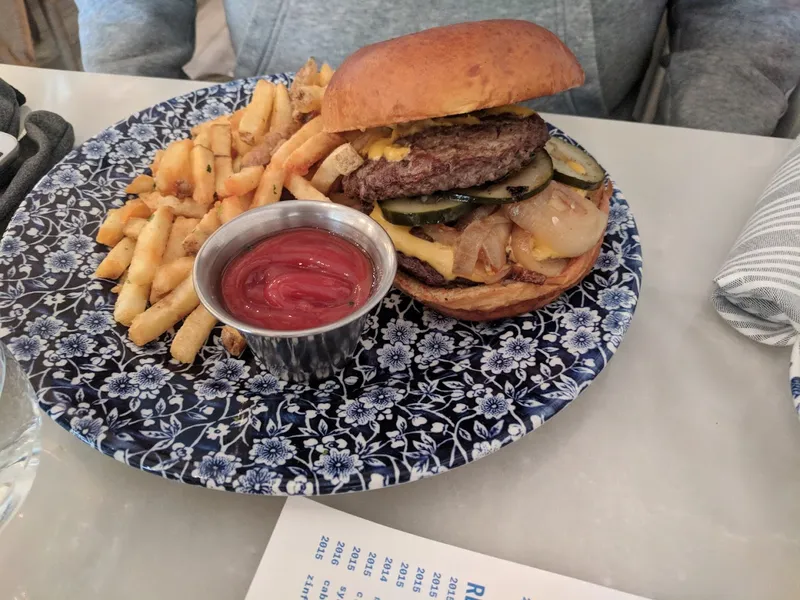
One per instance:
(297, 279)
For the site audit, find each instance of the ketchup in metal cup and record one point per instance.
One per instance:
(297, 279)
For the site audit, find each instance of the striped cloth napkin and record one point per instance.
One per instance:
(757, 290)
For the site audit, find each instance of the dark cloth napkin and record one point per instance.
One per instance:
(48, 138)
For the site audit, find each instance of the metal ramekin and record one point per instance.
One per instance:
(308, 353)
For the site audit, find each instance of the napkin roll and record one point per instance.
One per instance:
(48, 138)
(757, 291)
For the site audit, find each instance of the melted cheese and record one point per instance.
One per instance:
(440, 256)
(540, 252)
(576, 166)
(462, 120)
(437, 255)
(406, 129)
(514, 109)
(386, 147)
(383, 148)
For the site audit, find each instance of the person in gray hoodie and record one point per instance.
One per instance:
(731, 67)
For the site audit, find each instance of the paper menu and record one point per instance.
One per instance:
(319, 553)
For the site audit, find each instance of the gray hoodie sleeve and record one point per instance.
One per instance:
(732, 65)
(143, 37)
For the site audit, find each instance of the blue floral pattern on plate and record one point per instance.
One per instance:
(424, 393)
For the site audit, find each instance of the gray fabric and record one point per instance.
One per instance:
(48, 138)
(733, 65)
(10, 101)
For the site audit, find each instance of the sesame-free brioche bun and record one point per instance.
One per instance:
(508, 298)
(447, 70)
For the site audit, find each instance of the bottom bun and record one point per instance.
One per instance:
(507, 298)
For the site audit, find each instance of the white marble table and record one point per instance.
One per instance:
(675, 476)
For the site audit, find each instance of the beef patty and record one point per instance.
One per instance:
(427, 274)
(445, 158)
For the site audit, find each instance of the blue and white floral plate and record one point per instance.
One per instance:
(424, 394)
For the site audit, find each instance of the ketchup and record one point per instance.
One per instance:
(298, 279)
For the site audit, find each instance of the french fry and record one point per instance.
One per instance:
(198, 129)
(261, 154)
(312, 151)
(281, 121)
(140, 185)
(169, 275)
(221, 140)
(151, 200)
(120, 282)
(301, 189)
(192, 335)
(117, 260)
(247, 200)
(133, 228)
(223, 168)
(346, 159)
(240, 147)
(308, 98)
(183, 208)
(233, 341)
(157, 319)
(156, 161)
(364, 140)
(230, 208)
(269, 187)
(203, 138)
(342, 161)
(181, 227)
(325, 74)
(174, 175)
(257, 114)
(306, 75)
(110, 232)
(207, 225)
(244, 181)
(136, 208)
(203, 173)
(236, 118)
(325, 176)
(150, 247)
(301, 136)
(223, 164)
(132, 301)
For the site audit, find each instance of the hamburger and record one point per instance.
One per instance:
(490, 216)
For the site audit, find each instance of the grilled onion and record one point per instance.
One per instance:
(488, 277)
(444, 234)
(560, 219)
(488, 237)
(521, 247)
(493, 249)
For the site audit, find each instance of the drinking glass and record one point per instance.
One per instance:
(20, 425)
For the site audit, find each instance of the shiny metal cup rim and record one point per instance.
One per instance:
(202, 277)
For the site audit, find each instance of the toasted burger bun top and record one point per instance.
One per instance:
(447, 71)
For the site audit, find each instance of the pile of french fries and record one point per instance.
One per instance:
(230, 165)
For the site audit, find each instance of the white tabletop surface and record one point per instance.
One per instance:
(675, 476)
